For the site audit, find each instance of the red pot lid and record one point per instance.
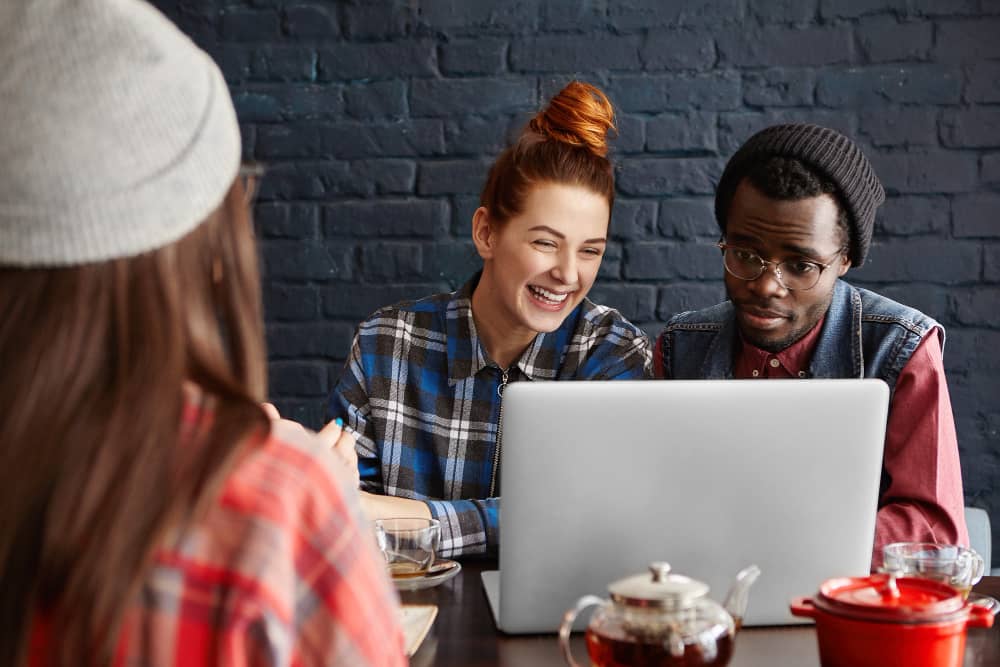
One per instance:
(882, 598)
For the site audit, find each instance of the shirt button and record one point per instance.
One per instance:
(756, 373)
(802, 374)
(774, 363)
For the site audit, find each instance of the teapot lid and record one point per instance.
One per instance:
(658, 588)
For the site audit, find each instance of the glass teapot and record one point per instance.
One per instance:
(660, 619)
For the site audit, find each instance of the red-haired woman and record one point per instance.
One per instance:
(152, 514)
(422, 387)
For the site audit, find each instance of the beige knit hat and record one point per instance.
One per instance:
(117, 133)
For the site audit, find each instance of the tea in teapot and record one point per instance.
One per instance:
(623, 650)
(660, 619)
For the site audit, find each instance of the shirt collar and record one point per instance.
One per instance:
(467, 356)
(794, 359)
(837, 353)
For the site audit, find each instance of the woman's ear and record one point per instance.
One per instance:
(483, 234)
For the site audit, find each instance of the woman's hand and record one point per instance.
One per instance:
(384, 507)
(341, 442)
(335, 436)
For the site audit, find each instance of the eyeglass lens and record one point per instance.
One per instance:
(794, 274)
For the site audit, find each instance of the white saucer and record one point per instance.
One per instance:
(437, 576)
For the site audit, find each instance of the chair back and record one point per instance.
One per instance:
(980, 534)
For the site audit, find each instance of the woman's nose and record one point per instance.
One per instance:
(565, 270)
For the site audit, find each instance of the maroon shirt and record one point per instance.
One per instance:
(921, 498)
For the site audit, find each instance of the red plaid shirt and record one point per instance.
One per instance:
(282, 571)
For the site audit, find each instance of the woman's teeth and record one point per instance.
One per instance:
(546, 295)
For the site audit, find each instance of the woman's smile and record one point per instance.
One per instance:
(548, 299)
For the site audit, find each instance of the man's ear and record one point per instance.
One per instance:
(483, 234)
(844, 265)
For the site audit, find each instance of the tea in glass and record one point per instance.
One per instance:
(408, 545)
(956, 566)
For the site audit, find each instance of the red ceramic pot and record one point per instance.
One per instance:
(882, 621)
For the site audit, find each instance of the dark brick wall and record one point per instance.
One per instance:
(378, 119)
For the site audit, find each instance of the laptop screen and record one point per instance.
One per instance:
(602, 478)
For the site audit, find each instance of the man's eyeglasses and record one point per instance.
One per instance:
(792, 274)
(250, 174)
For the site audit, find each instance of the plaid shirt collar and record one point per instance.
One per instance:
(466, 355)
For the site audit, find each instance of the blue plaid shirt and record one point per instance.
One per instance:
(422, 396)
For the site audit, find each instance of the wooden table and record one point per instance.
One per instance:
(464, 634)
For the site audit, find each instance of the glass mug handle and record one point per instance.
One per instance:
(978, 566)
(381, 542)
(567, 625)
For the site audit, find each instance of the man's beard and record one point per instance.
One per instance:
(807, 321)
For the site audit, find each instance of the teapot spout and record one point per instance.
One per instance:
(736, 598)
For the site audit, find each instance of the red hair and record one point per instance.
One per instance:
(564, 143)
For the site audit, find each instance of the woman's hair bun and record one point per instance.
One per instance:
(579, 115)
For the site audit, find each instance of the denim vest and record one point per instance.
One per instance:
(864, 335)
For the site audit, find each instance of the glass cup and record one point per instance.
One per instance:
(408, 545)
(957, 566)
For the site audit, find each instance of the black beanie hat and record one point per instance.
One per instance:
(828, 152)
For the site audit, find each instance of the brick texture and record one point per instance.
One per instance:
(379, 119)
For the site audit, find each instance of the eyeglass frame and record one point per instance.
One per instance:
(764, 263)
(250, 173)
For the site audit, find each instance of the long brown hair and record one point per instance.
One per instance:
(98, 361)
(566, 143)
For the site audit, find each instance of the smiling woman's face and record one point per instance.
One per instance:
(539, 265)
(770, 316)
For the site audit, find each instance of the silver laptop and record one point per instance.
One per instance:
(601, 478)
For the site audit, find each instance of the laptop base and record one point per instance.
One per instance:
(491, 586)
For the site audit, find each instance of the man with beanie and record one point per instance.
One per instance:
(796, 207)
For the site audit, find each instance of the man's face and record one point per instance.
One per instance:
(769, 315)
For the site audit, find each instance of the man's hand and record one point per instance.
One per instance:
(338, 439)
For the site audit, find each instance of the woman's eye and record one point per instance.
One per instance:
(596, 252)
(544, 243)
(743, 255)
